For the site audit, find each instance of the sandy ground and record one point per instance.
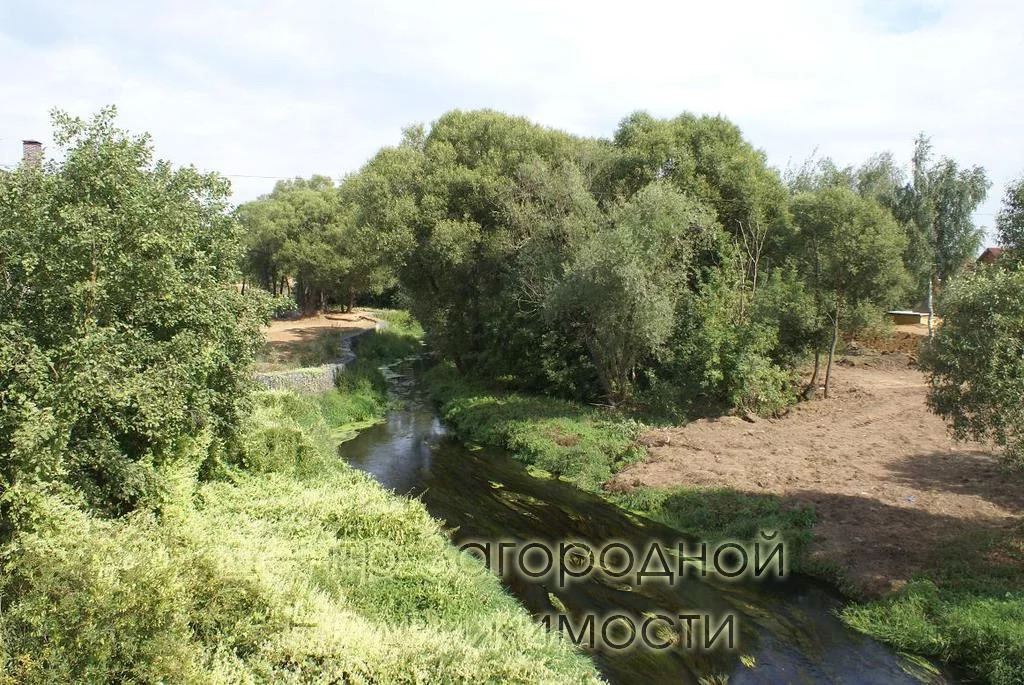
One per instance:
(301, 342)
(893, 493)
(305, 328)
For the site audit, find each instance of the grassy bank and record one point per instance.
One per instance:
(723, 514)
(584, 445)
(285, 566)
(969, 610)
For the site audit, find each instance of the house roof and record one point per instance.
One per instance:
(990, 254)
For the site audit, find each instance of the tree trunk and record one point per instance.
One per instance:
(812, 388)
(832, 350)
(351, 299)
(931, 307)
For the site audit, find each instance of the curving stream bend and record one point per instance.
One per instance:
(787, 632)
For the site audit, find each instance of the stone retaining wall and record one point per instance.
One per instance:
(316, 378)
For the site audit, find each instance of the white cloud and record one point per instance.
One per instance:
(284, 90)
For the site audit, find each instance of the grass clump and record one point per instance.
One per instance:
(969, 610)
(581, 444)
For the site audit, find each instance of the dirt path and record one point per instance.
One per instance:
(893, 493)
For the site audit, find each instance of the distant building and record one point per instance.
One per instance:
(990, 255)
(31, 153)
(905, 317)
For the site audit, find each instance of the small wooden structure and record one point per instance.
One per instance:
(903, 317)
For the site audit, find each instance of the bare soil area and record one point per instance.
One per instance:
(894, 494)
(310, 340)
(297, 330)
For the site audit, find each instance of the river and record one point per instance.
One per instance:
(787, 631)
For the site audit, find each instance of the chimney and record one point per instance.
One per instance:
(31, 153)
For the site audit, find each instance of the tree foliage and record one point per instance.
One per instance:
(589, 268)
(936, 207)
(1010, 221)
(976, 359)
(851, 253)
(309, 237)
(622, 288)
(122, 331)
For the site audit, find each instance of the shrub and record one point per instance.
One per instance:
(122, 332)
(976, 359)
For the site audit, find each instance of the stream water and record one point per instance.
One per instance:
(787, 632)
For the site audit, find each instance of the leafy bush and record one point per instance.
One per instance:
(91, 600)
(720, 362)
(122, 331)
(976, 359)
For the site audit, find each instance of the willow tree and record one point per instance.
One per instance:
(625, 282)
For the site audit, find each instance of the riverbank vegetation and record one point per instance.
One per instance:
(290, 568)
(565, 439)
(569, 285)
(668, 272)
(162, 521)
(967, 610)
(667, 269)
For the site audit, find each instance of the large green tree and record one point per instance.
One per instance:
(851, 255)
(568, 265)
(123, 333)
(936, 208)
(1010, 221)
(624, 284)
(298, 235)
(708, 159)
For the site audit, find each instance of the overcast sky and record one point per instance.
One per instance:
(275, 89)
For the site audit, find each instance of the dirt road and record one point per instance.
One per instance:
(892, 491)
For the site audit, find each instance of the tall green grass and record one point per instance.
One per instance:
(968, 610)
(283, 565)
(721, 514)
(270, 578)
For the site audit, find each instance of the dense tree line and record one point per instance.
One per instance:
(305, 239)
(668, 266)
